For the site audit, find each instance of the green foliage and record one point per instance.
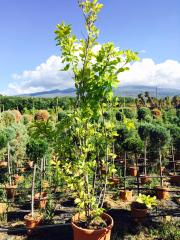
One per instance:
(144, 130)
(144, 114)
(159, 136)
(36, 149)
(147, 200)
(133, 144)
(96, 69)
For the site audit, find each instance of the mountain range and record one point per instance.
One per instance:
(124, 91)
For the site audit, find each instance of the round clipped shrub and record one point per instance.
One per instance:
(128, 113)
(27, 118)
(144, 130)
(159, 136)
(42, 115)
(133, 144)
(62, 115)
(143, 113)
(7, 118)
(156, 113)
(3, 139)
(17, 115)
(119, 116)
(36, 149)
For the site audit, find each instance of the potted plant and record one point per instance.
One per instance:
(36, 150)
(144, 133)
(174, 134)
(160, 136)
(125, 194)
(33, 219)
(89, 135)
(139, 208)
(11, 186)
(134, 145)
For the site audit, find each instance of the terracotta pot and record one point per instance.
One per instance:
(104, 169)
(133, 171)
(126, 195)
(114, 180)
(175, 179)
(3, 164)
(89, 234)
(32, 222)
(11, 191)
(139, 213)
(40, 201)
(145, 179)
(162, 193)
(3, 208)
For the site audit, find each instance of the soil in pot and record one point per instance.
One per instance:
(40, 200)
(11, 191)
(133, 171)
(32, 221)
(139, 210)
(126, 195)
(145, 179)
(162, 193)
(81, 233)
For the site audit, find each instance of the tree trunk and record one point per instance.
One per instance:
(9, 166)
(160, 162)
(125, 170)
(32, 192)
(145, 157)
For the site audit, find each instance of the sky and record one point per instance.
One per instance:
(30, 60)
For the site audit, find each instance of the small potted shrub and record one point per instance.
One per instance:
(144, 133)
(139, 208)
(33, 219)
(134, 145)
(125, 194)
(10, 186)
(160, 137)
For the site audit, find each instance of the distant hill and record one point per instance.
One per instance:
(128, 91)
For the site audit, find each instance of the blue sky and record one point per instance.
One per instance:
(27, 33)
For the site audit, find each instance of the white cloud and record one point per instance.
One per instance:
(147, 72)
(47, 76)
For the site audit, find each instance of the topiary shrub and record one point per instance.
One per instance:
(3, 139)
(156, 113)
(128, 112)
(27, 118)
(36, 149)
(17, 115)
(144, 114)
(7, 118)
(42, 115)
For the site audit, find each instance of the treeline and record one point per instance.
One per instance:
(29, 103)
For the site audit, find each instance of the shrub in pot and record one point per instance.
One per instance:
(33, 219)
(134, 145)
(144, 133)
(160, 137)
(90, 134)
(140, 207)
